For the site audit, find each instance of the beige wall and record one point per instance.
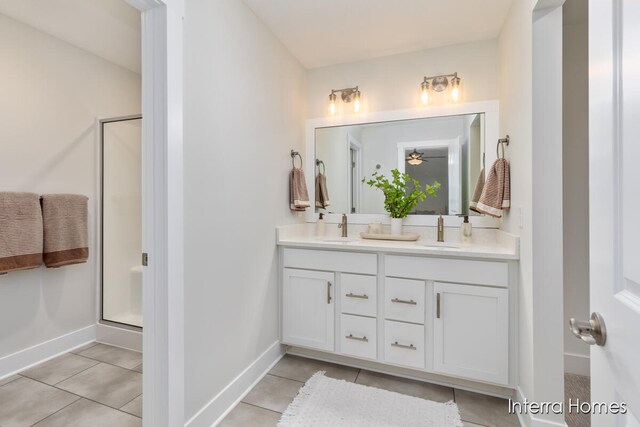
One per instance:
(393, 82)
(516, 97)
(51, 93)
(244, 100)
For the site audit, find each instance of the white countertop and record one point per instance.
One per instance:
(486, 243)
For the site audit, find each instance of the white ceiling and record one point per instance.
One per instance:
(107, 28)
(326, 32)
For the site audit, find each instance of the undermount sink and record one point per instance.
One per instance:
(338, 239)
(440, 245)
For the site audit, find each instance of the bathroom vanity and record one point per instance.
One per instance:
(447, 309)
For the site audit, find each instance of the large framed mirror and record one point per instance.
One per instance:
(450, 145)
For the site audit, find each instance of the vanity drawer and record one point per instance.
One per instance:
(358, 336)
(347, 262)
(358, 294)
(404, 300)
(492, 273)
(404, 344)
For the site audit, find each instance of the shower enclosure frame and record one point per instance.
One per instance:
(101, 319)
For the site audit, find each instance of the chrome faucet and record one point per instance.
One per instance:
(440, 229)
(343, 225)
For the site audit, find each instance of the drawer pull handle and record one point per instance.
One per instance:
(352, 295)
(438, 305)
(328, 292)
(408, 347)
(351, 337)
(404, 301)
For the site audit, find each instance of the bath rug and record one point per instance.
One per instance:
(329, 402)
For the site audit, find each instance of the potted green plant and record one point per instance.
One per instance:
(401, 194)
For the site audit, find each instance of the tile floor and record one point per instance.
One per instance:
(577, 387)
(97, 385)
(265, 403)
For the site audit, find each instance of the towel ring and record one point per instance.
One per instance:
(318, 163)
(295, 154)
(501, 143)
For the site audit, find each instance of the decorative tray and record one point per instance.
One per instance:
(408, 237)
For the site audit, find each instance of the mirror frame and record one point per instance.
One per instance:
(491, 119)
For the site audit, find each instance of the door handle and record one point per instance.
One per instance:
(328, 292)
(591, 331)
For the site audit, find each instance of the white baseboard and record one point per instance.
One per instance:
(578, 364)
(23, 359)
(532, 420)
(119, 337)
(218, 407)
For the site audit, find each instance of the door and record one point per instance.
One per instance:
(308, 308)
(471, 335)
(614, 159)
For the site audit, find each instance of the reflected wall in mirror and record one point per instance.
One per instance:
(447, 149)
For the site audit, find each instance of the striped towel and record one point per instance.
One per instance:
(66, 237)
(299, 196)
(496, 194)
(20, 231)
(478, 192)
(322, 194)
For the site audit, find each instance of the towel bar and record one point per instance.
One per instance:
(501, 143)
(293, 158)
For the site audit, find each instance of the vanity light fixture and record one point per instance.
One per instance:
(415, 158)
(347, 95)
(440, 84)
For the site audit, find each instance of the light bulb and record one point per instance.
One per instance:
(356, 102)
(455, 89)
(332, 103)
(424, 92)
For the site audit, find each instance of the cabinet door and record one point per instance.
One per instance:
(308, 308)
(471, 331)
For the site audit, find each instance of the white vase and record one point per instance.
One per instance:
(396, 226)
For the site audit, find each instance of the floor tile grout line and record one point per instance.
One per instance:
(357, 375)
(287, 378)
(55, 412)
(261, 407)
(129, 402)
(95, 343)
(54, 385)
(17, 377)
(78, 395)
(109, 363)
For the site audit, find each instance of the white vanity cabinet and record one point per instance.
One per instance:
(443, 315)
(310, 292)
(471, 331)
(308, 308)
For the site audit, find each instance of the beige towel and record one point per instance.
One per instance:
(65, 229)
(496, 195)
(299, 197)
(20, 231)
(478, 192)
(322, 194)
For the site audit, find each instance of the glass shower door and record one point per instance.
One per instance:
(122, 220)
